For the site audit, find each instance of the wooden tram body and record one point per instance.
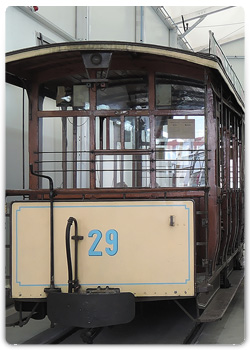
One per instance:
(141, 149)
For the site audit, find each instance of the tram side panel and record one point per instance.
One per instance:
(145, 248)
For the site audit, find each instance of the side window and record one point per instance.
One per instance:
(180, 151)
(177, 93)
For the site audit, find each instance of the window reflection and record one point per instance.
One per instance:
(125, 90)
(180, 151)
(176, 93)
(108, 133)
(64, 151)
(121, 171)
(137, 132)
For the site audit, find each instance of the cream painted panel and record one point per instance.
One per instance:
(136, 250)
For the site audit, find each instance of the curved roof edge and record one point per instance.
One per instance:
(203, 59)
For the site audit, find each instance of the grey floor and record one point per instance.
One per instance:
(165, 329)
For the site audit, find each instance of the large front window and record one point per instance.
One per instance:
(129, 132)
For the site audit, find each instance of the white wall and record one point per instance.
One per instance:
(155, 30)
(61, 16)
(127, 23)
(21, 30)
(112, 23)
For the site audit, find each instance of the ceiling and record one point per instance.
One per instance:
(226, 22)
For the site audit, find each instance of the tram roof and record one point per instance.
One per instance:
(23, 61)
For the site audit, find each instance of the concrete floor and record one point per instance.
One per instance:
(18, 335)
(157, 326)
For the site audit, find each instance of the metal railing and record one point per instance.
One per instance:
(215, 49)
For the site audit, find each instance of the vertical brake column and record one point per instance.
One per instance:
(52, 287)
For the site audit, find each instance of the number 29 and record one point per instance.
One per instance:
(111, 239)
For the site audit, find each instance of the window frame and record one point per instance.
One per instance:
(151, 112)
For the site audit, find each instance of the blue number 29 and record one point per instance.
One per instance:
(111, 239)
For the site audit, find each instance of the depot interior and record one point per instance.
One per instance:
(182, 27)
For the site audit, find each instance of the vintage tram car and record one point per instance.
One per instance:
(136, 182)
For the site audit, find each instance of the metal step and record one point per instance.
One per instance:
(222, 299)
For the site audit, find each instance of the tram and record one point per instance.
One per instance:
(136, 182)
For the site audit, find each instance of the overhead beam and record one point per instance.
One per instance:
(159, 11)
(197, 14)
(42, 20)
(174, 32)
(193, 26)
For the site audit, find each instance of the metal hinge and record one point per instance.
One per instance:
(207, 263)
(219, 200)
(204, 222)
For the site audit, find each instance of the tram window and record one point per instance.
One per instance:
(180, 151)
(137, 132)
(122, 171)
(50, 148)
(64, 151)
(231, 173)
(125, 90)
(64, 94)
(108, 133)
(81, 97)
(49, 104)
(76, 96)
(174, 93)
(239, 165)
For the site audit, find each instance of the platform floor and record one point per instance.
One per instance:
(232, 328)
(167, 330)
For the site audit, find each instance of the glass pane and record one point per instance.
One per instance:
(64, 152)
(80, 98)
(64, 93)
(51, 146)
(83, 148)
(180, 151)
(49, 104)
(137, 132)
(108, 133)
(122, 171)
(175, 93)
(125, 90)
(100, 132)
(115, 133)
